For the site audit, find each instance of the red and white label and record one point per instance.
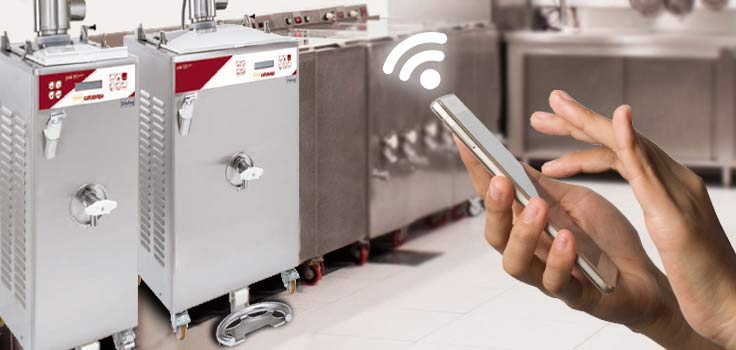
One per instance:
(233, 70)
(86, 87)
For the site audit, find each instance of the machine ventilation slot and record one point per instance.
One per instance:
(13, 204)
(152, 158)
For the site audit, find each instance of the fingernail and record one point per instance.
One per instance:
(543, 115)
(549, 165)
(561, 242)
(494, 192)
(565, 96)
(530, 213)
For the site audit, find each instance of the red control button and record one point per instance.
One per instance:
(298, 20)
(341, 14)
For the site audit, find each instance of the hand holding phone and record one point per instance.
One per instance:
(591, 260)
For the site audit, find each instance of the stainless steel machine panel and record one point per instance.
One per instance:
(308, 112)
(211, 234)
(68, 265)
(394, 157)
(342, 148)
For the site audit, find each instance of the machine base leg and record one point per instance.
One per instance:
(180, 323)
(289, 279)
(124, 340)
(727, 177)
(90, 346)
(239, 299)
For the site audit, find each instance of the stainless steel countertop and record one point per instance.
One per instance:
(623, 43)
(622, 37)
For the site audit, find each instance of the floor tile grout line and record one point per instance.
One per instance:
(577, 347)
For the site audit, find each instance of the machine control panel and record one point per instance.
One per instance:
(86, 87)
(231, 70)
(312, 17)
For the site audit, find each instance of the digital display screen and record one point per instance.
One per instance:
(264, 65)
(89, 85)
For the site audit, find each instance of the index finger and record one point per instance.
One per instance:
(478, 172)
(556, 190)
(595, 126)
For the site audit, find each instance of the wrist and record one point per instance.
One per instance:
(668, 326)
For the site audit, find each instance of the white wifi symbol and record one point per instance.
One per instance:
(430, 78)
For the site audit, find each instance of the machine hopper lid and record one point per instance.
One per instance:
(74, 53)
(226, 37)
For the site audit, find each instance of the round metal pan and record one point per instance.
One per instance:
(648, 8)
(679, 7)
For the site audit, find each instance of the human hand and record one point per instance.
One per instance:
(642, 300)
(698, 258)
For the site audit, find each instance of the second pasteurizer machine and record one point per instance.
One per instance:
(219, 158)
(411, 156)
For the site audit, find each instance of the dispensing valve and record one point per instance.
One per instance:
(410, 139)
(390, 146)
(431, 131)
(242, 170)
(52, 134)
(186, 114)
(90, 204)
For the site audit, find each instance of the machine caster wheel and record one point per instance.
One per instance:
(361, 252)
(437, 220)
(313, 272)
(399, 237)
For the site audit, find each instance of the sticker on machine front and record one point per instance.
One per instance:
(86, 87)
(237, 69)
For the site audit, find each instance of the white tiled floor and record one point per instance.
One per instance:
(459, 300)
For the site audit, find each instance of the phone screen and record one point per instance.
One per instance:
(499, 161)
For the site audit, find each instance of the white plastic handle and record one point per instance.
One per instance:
(251, 174)
(102, 207)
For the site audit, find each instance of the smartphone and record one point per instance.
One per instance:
(499, 161)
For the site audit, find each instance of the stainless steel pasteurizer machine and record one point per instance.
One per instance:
(68, 205)
(219, 155)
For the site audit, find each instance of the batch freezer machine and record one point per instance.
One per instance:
(219, 154)
(68, 180)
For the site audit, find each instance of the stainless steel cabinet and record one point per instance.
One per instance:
(596, 81)
(673, 104)
(677, 87)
